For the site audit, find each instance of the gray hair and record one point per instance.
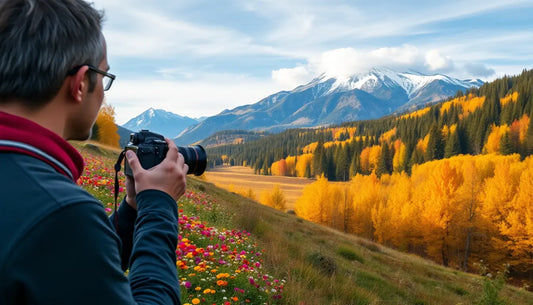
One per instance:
(41, 41)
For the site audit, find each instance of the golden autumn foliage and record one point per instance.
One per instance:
(370, 158)
(517, 130)
(279, 168)
(494, 139)
(303, 165)
(314, 204)
(338, 132)
(455, 211)
(509, 98)
(415, 114)
(274, 198)
(386, 136)
(400, 155)
(447, 130)
(422, 144)
(468, 104)
(309, 149)
(106, 127)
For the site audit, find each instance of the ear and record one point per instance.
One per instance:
(79, 84)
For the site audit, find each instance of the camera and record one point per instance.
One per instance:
(151, 148)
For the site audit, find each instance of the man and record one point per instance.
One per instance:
(57, 244)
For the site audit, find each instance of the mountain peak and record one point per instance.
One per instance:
(327, 100)
(160, 121)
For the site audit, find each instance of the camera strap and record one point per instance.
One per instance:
(117, 169)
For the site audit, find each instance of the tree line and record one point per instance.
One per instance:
(492, 118)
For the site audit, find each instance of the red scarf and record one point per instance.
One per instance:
(23, 136)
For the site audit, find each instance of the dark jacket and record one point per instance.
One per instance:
(57, 245)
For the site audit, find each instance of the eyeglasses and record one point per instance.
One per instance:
(107, 80)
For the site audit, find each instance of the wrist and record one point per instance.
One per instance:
(131, 202)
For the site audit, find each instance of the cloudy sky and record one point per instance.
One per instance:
(198, 57)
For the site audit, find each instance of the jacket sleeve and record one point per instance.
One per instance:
(72, 257)
(123, 221)
(153, 273)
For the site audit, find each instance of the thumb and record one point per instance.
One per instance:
(133, 161)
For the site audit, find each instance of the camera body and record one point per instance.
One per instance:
(151, 148)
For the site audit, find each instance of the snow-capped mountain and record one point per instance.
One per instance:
(160, 121)
(328, 100)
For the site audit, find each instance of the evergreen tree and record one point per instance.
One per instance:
(453, 145)
(385, 161)
(506, 145)
(435, 149)
(342, 164)
(319, 159)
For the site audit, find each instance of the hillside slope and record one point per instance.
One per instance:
(316, 265)
(324, 266)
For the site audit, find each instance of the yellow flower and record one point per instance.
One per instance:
(195, 301)
(198, 288)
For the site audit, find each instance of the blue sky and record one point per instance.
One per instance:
(198, 57)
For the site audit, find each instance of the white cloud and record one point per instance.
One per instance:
(289, 78)
(479, 70)
(437, 62)
(193, 98)
(344, 62)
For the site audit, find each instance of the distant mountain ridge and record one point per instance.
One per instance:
(160, 121)
(327, 100)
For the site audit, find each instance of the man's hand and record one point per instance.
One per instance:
(170, 176)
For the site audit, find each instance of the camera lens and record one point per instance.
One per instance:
(195, 157)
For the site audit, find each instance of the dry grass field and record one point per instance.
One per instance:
(242, 180)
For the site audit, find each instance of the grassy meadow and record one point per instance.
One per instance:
(242, 180)
(232, 250)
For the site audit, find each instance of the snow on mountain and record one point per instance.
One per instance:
(329, 100)
(410, 82)
(160, 121)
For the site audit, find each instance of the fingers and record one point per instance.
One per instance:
(133, 161)
(172, 149)
(173, 154)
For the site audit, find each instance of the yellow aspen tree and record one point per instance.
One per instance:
(336, 206)
(275, 198)
(291, 166)
(518, 226)
(386, 212)
(469, 204)
(374, 156)
(400, 154)
(303, 165)
(439, 208)
(366, 190)
(523, 125)
(498, 193)
(312, 205)
(107, 129)
(494, 139)
(274, 169)
(364, 160)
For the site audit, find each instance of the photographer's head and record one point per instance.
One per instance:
(51, 49)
